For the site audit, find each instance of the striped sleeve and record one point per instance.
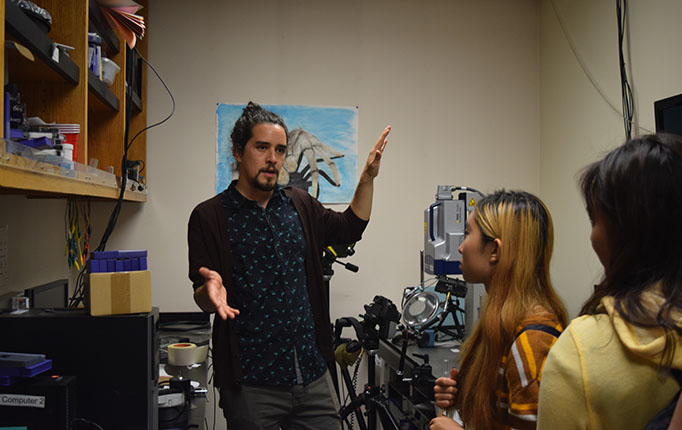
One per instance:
(522, 371)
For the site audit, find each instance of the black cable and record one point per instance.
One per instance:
(585, 69)
(626, 91)
(355, 385)
(468, 189)
(179, 414)
(79, 290)
(113, 219)
(169, 93)
(90, 423)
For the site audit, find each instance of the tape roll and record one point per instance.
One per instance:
(185, 354)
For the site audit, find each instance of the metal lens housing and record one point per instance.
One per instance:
(421, 309)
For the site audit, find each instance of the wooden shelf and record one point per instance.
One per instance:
(137, 102)
(26, 32)
(32, 177)
(67, 92)
(103, 29)
(103, 92)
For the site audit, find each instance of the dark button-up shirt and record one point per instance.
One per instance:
(275, 328)
(209, 246)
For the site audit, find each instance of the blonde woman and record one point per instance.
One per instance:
(507, 247)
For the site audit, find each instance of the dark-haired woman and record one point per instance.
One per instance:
(610, 368)
(507, 248)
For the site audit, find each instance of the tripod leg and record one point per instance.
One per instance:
(353, 397)
(388, 421)
(371, 375)
(459, 326)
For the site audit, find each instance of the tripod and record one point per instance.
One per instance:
(377, 324)
(371, 397)
(330, 255)
(453, 289)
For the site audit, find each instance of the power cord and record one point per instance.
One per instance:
(626, 91)
(586, 71)
(84, 421)
(351, 424)
(113, 219)
(167, 90)
(79, 291)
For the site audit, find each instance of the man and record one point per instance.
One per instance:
(258, 247)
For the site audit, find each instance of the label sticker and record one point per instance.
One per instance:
(22, 400)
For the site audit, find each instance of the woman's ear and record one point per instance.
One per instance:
(496, 247)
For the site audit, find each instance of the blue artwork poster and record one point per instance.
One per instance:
(322, 153)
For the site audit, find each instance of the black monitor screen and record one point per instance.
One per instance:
(668, 113)
(54, 294)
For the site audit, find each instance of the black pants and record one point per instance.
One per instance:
(302, 407)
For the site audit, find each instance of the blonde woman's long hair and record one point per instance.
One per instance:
(520, 281)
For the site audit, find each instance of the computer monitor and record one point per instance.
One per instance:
(54, 294)
(668, 115)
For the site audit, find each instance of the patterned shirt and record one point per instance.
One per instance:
(521, 372)
(275, 327)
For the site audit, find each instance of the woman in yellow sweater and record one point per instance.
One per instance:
(609, 370)
(507, 247)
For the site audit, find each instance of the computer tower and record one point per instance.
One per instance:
(115, 360)
(39, 403)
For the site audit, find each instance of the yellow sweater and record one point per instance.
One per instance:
(603, 373)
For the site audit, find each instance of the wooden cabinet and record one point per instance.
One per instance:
(60, 88)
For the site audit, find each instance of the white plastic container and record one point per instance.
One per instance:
(109, 71)
(67, 151)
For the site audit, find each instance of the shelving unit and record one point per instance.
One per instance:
(102, 27)
(44, 179)
(60, 88)
(103, 92)
(26, 32)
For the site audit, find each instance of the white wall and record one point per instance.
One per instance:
(36, 237)
(458, 81)
(35, 242)
(578, 127)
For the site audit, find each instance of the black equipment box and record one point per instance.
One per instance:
(40, 403)
(115, 360)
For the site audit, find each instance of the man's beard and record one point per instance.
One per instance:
(264, 186)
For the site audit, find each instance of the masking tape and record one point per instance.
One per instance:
(185, 354)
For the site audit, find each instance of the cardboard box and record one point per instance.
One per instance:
(119, 293)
